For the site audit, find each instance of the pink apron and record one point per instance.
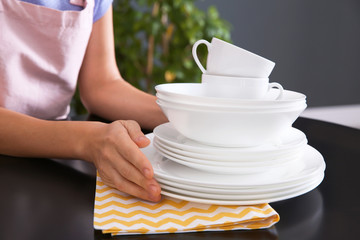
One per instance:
(41, 52)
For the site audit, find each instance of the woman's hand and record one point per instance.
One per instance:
(114, 149)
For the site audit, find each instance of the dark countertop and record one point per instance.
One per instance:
(47, 199)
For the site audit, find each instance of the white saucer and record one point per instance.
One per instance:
(311, 162)
(167, 134)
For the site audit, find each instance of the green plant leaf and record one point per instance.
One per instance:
(134, 21)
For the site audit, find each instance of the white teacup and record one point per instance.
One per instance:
(238, 87)
(229, 60)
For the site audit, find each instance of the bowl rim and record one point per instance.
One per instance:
(230, 106)
(206, 99)
(247, 111)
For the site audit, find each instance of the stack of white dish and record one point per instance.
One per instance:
(220, 160)
(227, 150)
(275, 183)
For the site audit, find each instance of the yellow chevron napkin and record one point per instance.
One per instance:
(121, 214)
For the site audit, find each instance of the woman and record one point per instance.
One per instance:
(46, 49)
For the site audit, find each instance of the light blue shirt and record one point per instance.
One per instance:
(100, 8)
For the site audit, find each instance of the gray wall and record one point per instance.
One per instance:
(315, 43)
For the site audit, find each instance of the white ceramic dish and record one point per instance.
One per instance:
(224, 161)
(195, 93)
(229, 106)
(242, 195)
(241, 190)
(219, 168)
(238, 87)
(224, 58)
(241, 202)
(312, 162)
(292, 141)
(241, 158)
(231, 129)
(266, 109)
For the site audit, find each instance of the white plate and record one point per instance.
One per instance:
(222, 162)
(290, 140)
(311, 162)
(241, 190)
(242, 202)
(245, 196)
(220, 168)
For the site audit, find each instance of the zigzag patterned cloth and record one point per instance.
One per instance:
(121, 214)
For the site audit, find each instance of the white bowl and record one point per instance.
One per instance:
(231, 128)
(166, 101)
(196, 94)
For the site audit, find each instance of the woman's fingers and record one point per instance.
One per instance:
(131, 173)
(130, 151)
(113, 179)
(135, 133)
(120, 161)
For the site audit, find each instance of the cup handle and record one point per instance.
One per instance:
(278, 86)
(195, 55)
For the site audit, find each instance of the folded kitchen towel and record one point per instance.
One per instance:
(121, 214)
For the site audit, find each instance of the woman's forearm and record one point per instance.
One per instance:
(25, 136)
(112, 148)
(119, 100)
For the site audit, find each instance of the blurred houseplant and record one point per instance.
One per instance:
(154, 38)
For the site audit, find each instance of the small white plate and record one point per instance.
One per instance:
(242, 202)
(167, 134)
(311, 162)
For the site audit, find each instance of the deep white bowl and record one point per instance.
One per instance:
(226, 108)
(231, 128)
(196, 94)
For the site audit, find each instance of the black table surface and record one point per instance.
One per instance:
(47, 199)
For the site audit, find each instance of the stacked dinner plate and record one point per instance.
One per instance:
(201, 165)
